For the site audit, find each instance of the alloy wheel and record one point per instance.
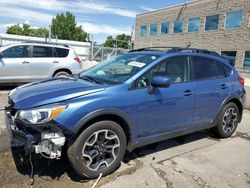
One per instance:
(229, 120)
(101, 150)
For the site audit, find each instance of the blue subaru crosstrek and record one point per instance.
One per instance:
(135, 99)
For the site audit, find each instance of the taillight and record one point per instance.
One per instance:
(77, 59)
(241, 80)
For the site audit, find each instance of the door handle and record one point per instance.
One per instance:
(223, 86)
(188, 92)
(26, 62)
(55, 61)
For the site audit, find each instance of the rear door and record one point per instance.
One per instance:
(61, 60)
(212, 87)
(15, 64)
(41, 63)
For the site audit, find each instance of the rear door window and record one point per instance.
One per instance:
(42, 51)
(16, 52)
(60, 52)
(206, 68)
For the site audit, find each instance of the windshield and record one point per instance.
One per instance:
(118, 69)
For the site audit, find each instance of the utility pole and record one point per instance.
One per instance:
(92, 46)
(49, 33)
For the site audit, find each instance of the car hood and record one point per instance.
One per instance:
(51, 91)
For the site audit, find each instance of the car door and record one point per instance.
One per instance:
(41, 64)
(15, 64)
(166, 110)
(211, 89)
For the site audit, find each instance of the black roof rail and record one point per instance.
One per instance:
(195, 50)
(151, 48)
(47, 43)
(177, 49)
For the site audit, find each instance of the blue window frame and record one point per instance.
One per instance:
(178, 26)
(212, 22)
(194, 24)
(230, 55)
(153, 29)
(234, 20)
(144, 31)
(246, 63)
(164, 28)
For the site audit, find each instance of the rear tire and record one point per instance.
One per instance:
(227, 121)
(98, 149)
(62, 74)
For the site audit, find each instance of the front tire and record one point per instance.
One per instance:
(227, 121)
(98, 149)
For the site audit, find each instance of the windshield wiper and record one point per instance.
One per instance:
(90, 79)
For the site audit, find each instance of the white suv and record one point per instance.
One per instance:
(26, 62)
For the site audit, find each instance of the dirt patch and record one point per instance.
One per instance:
(15, 169)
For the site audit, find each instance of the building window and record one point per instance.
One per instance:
(194, 24)
(212, 22)
(144, 31)
(230, 55)
(246, 63)
(164, 28)
(234, 20)
(153, 29)
(178, 26)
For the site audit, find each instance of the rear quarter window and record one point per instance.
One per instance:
(206, 68)
(61, 52)
(227, 69)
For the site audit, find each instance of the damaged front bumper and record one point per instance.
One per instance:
(46, 140)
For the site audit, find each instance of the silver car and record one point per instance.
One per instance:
(26, 62)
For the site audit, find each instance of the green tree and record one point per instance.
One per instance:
(39, 32)
(110, 42)
(26, 30)
(64, 27)
(123, 41)
(120, 41)
(19, 29)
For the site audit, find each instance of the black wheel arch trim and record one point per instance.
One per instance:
(232, 98)
(103, 112)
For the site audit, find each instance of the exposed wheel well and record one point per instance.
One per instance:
(239, 105)
(62, 70)
(110, 117)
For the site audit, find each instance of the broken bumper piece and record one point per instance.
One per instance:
(47, 141)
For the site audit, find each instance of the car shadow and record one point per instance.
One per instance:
(54, 169)
(166, 144)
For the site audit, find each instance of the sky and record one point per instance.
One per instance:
(100, 18)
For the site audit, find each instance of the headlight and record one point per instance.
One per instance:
(39, 115)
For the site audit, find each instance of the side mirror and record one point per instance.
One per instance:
(1, 56)
(160, 81)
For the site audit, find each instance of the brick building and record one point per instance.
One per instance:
(219, 25)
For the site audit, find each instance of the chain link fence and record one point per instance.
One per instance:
(101, 53)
